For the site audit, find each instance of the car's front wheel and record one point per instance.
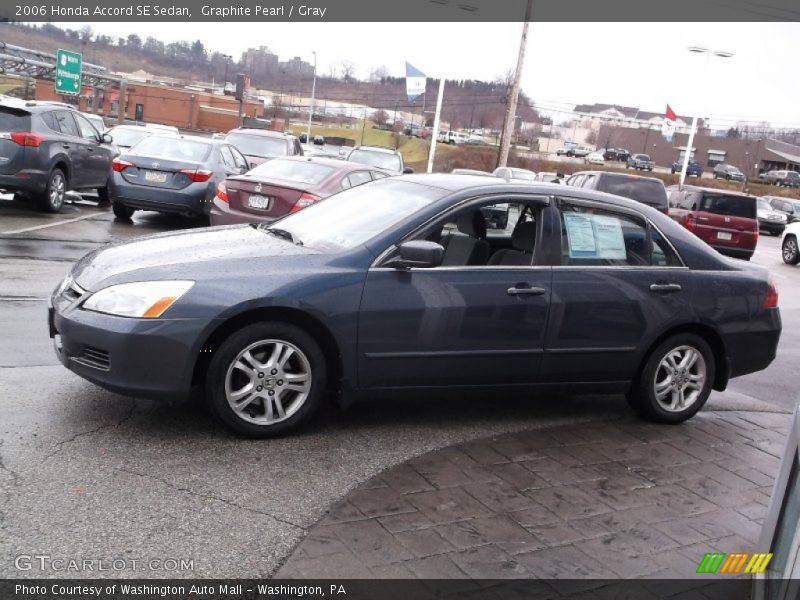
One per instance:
(103, 198)
(789, 250)
(675, 381)
(53, 197)
(266, 379)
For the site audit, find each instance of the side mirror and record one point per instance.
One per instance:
(408, 171)
(245, 168)
(106, 138)
(419, 253)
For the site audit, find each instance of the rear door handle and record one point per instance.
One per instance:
(65, 145)
(525, 291)
(665, 287)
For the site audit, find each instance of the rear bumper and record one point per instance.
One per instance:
(754, 349)
(222, 214)
(194, 198)
(745, 253)
(27, 180)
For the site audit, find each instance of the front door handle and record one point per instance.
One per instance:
(665, 287)
(525, 291)
(65, 145)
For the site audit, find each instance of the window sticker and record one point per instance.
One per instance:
(594, 236)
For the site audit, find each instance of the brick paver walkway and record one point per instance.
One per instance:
(612, 499)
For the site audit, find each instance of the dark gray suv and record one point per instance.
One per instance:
(48, 148)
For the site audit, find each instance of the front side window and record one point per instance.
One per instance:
(598, 237)
(88, 132)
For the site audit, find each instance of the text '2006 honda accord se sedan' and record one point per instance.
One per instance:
(399, 284)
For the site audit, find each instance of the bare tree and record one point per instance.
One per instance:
(348, 68)
(380, 117)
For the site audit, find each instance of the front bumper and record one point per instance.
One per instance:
(745, 253)
(148, 358)
(775, 227)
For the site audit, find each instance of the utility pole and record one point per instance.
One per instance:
(313, 94)
(511, 110)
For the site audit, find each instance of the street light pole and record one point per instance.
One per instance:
(708, 52)
(227, 60)
(313, 93)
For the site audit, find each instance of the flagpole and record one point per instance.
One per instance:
(435, 132)
(688, 152)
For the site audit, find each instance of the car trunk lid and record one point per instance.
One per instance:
(161, 172)
(267, 198)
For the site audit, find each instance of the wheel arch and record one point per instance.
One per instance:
(63, 163)
(712, 338)
(294, 316)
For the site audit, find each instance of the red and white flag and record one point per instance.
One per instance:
(668, 126)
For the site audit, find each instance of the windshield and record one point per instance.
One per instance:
(523, 174)
(763, 204)
(643, 157)
(382, 160)
(127, 137)
(359, 214)
(293, 170)
(172, 148)
(258, 145)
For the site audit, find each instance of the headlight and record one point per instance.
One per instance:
(65, 283)
(142, 299)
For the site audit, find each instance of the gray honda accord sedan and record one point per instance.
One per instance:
(400, 285)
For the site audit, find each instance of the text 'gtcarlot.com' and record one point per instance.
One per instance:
(43, 562)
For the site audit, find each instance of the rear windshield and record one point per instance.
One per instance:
(258, 145)
(293, 170)
(382, 160)
(172, 148)
(643, 157)
(14, 120)
(522, 174)
(645, 191)
(127, 137)
(731, 206)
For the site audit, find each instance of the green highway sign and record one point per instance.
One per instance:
(68, 72)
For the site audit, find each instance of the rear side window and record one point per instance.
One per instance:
(49, 119)
(66, 124)
(359, 177)
(647, 191)
(13, 120)
(730, 206)
(592, 237)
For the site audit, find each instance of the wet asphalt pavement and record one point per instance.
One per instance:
(85, 473)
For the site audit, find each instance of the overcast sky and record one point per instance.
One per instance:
(645, 65)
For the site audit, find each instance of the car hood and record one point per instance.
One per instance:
(182, 253)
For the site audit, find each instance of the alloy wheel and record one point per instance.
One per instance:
(57, 190)
(268, 382)
(789, 250)
(679, 379)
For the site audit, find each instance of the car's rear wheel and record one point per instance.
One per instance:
(266, 379)
(676, 379)
(789, 250)
(122, 212)
(52, 199)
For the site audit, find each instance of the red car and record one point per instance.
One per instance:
(284, 185)
(726, 221)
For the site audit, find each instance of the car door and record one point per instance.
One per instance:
(617, 285)
(457, 325)
(74, 146)
(98, 157)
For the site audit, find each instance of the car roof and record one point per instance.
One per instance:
(699, 188)
(260, 132)
(614, 174)
(330, 162)
(32, 106)
(378, 149)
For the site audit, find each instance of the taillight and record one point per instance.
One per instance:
(771, 299)
(689, 221)
(222, 193)
(665, 210)
(305, 199)
(197, 175)
(24, 138)
(120, 165)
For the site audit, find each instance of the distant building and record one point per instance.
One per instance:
(297, 67)
(261, 60)
(752, 156)
(593, 116)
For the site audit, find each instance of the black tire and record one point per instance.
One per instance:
(790, 251)
(103, 199)
(727, 177)
(642, 396)
(227, 354)
(122, 212)
(52, 199)
(672, 171)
